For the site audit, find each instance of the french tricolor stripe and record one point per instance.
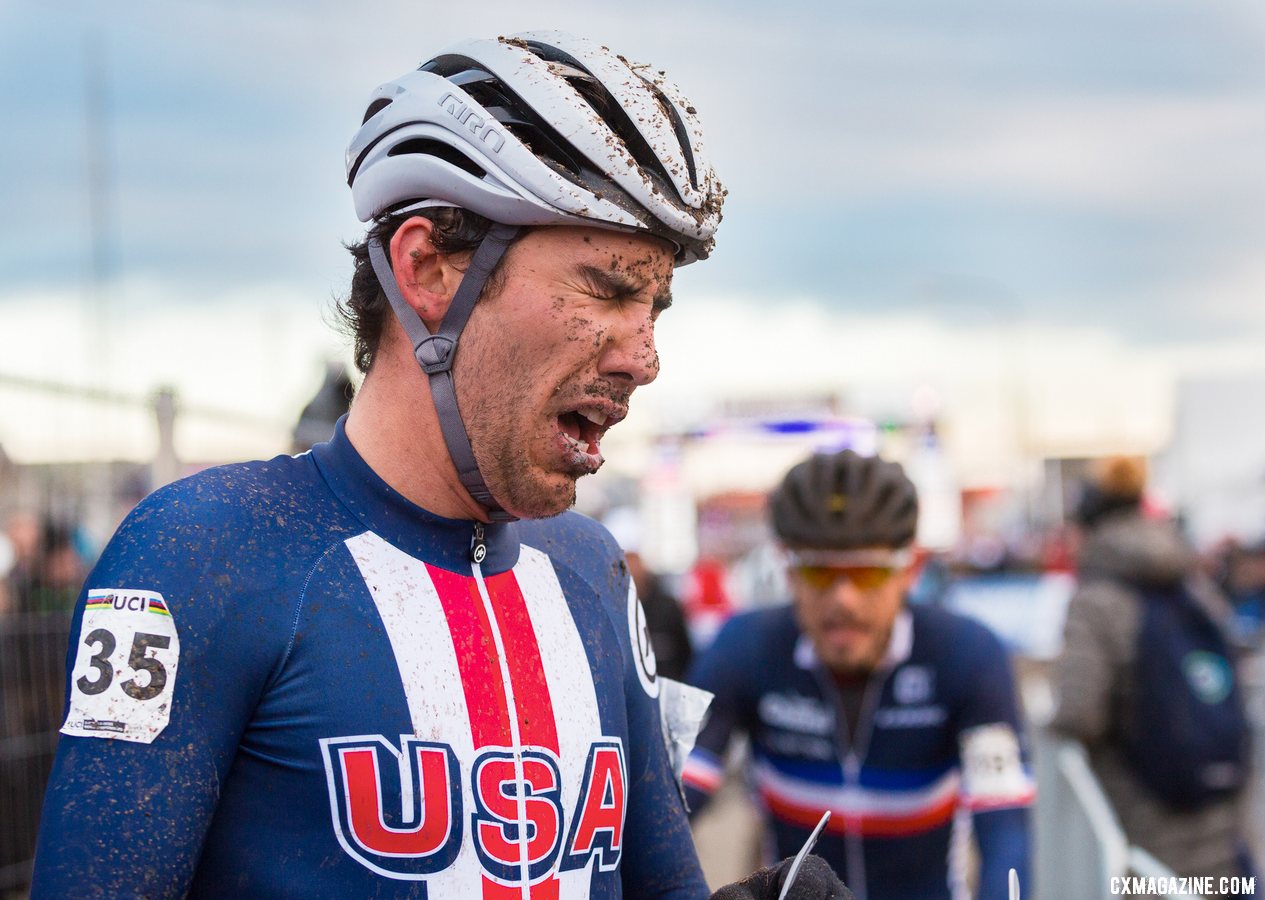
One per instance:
(857, 810)
(703, 771)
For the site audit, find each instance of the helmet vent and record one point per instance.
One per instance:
(682, 135)
(608, 109)
(439, 150)
(374, 108)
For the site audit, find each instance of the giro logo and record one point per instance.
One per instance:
(399, 812)
(475, 124)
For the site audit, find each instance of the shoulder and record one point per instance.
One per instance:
(569, 531)
(942, 633)
(229, 531)
(763, 633)
(1103, 610)
(280, 496)
(576, 543)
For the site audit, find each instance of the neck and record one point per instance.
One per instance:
(394, 428)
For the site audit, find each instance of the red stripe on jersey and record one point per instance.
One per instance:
(866, 824)
(536, 725)
(546, 890)
(486, 700)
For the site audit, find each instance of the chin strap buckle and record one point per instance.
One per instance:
(435, 353)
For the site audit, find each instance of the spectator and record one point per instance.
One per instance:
(1127, 563)
(664, 620)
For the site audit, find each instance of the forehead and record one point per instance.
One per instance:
(885, 557)
(567, 246)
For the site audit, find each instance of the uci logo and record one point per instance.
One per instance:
(401, 812)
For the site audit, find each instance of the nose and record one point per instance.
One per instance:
(628, 351)
(846, 596)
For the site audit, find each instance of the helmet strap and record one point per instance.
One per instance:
(435, 353)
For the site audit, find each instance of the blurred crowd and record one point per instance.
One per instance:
(43, 562)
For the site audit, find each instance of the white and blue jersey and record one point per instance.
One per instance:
(286, 680)
(937, 737)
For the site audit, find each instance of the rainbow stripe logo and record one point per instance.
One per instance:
(127, 601)
(99, 600)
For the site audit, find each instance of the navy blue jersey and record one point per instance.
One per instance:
(937, 737)
(288, 680)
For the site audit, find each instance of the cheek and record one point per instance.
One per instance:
(808, 609)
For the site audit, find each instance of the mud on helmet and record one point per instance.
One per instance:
(845, 501)
(541, 128)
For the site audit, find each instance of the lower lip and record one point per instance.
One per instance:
(576, 455)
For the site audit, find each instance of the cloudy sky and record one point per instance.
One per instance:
(975, 193)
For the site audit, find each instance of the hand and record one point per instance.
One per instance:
(815, 881)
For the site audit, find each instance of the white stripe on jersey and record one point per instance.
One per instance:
(414, 621)
(570, 683)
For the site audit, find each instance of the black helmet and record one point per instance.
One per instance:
(845, 501)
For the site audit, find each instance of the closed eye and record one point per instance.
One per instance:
(606, 285)
(609, 285)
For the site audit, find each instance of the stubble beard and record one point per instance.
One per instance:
(503, 448)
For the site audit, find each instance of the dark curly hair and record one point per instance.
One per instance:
(363, 314)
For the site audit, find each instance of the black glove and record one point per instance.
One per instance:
(815, 881)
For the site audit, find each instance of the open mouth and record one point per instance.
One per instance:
(580, 432)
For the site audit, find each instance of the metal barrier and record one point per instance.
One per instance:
(1079, 844)
(32, 672)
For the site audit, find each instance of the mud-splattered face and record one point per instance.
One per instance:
(548, 363)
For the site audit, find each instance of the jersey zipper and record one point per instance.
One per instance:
(854, 752)
(851, 766)
(478, 552)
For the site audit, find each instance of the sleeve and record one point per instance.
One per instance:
(1004, 842)
(997, 782)
(1085, 677)
(719, 669)
(160, 684)
(659, 859)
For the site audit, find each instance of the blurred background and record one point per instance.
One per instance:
(992, 241)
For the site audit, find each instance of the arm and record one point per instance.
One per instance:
(719, 670)
(659, 858)
(158, 694)
(997, 785)
(1004, 842)
(1086, 675)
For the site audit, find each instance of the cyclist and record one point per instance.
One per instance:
(389, 666)
(894, 718)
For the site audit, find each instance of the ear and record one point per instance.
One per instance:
(427, 278)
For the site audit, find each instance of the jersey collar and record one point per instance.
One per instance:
(389, 514)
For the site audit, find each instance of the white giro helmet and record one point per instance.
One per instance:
(541, 128)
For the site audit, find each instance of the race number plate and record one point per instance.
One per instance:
(125, 667)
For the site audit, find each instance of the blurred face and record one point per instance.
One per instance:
(549, 363)
(846, 603)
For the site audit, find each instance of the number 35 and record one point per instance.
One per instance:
(137, 659)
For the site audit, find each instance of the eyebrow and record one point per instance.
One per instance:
(619, 287)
